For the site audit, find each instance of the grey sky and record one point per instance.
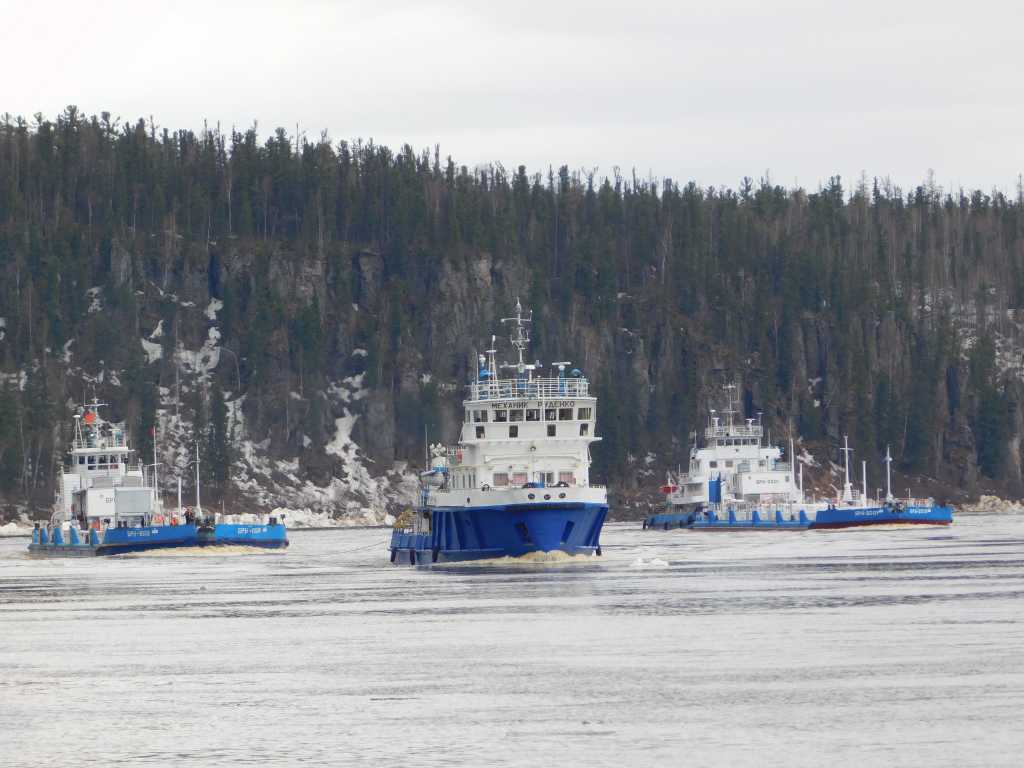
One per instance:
(708, 91)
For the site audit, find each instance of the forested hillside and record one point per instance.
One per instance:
(308, 307)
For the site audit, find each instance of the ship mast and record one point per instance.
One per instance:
(888, 480)
(520, 339)
(847, 488)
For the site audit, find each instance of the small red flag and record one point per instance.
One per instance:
(90, 417)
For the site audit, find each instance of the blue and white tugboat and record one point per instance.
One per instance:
(106, 504)
(737, 481)
(518, 481)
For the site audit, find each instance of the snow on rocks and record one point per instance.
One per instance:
(153, 350)
(215, 306)
(20, 527)
(95, 295)
(990, 505)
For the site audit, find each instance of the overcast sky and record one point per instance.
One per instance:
(708, 91)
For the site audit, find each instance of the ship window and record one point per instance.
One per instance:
(550, 414)
(501, 479)
(584, 429)
(583, 413)
(81, 459)
(728, 463)
(551, 430)
(501, 415)
(548, 477)
(566, 477)
(565, 414)
(513, 431)
(518, 478)
(480, 416)
(468, 415)
(515, 415)
(760, 463)
(479, 432)
(713, 464)
(533, 414)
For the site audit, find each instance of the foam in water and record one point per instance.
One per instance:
(217, 550)
(555, 557)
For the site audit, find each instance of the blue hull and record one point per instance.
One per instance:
(840, 517)
(696, 521)
(118, 541)
(885, 515)
(509, 530)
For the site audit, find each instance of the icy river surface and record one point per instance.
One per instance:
(849, 648)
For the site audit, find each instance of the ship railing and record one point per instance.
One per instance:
(113, 442)
(504, 389)
(744, 430)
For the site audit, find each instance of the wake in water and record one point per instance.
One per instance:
(217, 550)
(556, 557)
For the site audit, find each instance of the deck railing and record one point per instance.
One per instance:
(713, 433)
(504, 389)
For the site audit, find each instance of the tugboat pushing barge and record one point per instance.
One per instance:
(106, 504)
(736, 481)
(518, 481)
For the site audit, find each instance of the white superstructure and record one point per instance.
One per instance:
(751, 471)
(103, 486)
(525, 437)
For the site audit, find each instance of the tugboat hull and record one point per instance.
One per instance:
(458, 534)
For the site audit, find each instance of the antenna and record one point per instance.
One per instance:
(520, 335)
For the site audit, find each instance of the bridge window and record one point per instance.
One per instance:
(480, 416)
(501, 479)
(513, 431)
(533, 414)
(584, 430)
(551, 430)
(515, 415)
(550, 414)
(565, 414)
(583, 414)
(519, 478)
(81, 459)
(713, 464)
(501, 415)
(468, 415)
(566, 477)
(479, 432)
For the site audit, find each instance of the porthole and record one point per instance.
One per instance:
(531, 496)
(547, 497)
(561, 495)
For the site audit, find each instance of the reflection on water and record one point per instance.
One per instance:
(800, 648)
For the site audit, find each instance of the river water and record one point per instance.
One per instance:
(849, 648)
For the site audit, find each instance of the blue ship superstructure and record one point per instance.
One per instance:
(737, 482)
(107, 504)
(518, 481)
